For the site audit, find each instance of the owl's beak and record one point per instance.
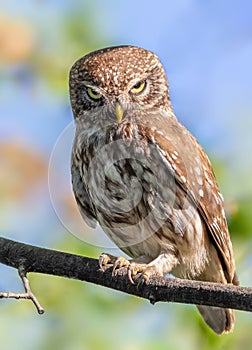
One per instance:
(119, 112)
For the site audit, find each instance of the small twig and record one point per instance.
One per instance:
(28, 292)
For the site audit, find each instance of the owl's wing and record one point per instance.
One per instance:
(82, 198)
(193, 173)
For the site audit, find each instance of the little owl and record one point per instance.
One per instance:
(143, 177)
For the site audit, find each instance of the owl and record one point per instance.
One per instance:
(141, 175)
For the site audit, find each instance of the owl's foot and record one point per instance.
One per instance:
(144, 270)
(107, 260)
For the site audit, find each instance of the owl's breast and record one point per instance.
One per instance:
(126, 178)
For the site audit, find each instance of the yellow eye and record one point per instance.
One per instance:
(139, 87)
(93, 94)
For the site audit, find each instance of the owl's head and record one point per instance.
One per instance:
(118, 77)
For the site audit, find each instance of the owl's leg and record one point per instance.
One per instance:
(160, 266)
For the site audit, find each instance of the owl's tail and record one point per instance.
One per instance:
(218, 319)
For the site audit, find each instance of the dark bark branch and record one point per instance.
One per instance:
(35, 259)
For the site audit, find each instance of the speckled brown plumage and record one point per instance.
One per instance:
(143, 177)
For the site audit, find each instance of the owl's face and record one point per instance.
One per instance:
(116, 79)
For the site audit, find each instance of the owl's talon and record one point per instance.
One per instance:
(143, 273)
(121, 261)
(105, 260)
(140, 281)
(130, 276)
(116, 266)
(134, 270)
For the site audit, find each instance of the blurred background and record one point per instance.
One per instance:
(206, 48)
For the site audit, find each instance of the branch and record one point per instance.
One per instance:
(40, 260)
(28, 292)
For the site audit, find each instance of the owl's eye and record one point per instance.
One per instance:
(138, 88)
(93, 94)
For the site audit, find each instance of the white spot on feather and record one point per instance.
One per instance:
(198, 171)
(201, 193)
(200, 181)
(183, 179)
(197, 160)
